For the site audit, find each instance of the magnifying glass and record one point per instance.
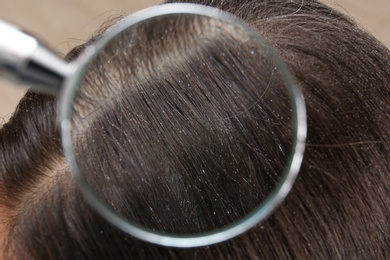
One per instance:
(181, 124)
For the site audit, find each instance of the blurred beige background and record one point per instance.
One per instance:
(64, 24)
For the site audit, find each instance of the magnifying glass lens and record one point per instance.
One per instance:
(183, 124)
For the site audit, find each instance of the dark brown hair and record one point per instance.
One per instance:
(338, 207)
(200, 112)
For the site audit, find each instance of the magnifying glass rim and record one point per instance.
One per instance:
(272, 201)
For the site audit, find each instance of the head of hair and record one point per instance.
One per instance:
(191, 114)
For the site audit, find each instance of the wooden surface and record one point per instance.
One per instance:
(64, 24)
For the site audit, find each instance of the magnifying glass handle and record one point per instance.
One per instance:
(25, 61)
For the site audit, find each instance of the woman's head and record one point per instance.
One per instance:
(209, 127)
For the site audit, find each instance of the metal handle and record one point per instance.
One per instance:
(24, 60)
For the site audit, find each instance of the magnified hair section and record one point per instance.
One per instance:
(183, 124)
